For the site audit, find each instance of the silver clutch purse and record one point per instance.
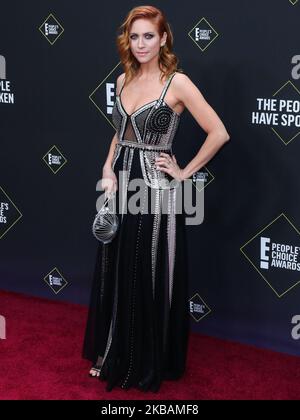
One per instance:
(105, 225)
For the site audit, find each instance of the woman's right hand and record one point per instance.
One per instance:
(109, 181)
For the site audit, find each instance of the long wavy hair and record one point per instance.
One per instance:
(167, 61)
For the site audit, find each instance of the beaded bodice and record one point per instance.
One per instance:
(154, 123)
(148, 130)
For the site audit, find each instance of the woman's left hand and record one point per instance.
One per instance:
(168, 164)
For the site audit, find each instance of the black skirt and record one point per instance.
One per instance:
(138, 319)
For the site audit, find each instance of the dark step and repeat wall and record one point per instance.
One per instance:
(58, 68)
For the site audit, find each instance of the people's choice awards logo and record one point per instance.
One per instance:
(9, 213)
(198, 308)
(278, 255)
(203, 34)
(2, 328)
(51, 29)
(54, 159)
(274, 252)
(55, 280)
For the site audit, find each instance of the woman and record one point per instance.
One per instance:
(138, 324)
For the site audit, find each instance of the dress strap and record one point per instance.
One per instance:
(166, 87)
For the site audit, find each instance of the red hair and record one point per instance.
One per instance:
(167, 59)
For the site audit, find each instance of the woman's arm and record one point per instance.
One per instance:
(206, 117)
(108, 162)
(186, 92)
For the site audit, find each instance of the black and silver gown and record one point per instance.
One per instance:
(138, 322)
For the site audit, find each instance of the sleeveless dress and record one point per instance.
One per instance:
(138, 321)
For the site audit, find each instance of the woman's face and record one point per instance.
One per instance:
(144, 40)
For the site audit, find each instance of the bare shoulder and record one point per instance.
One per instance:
(120, 80)
(183, 86)
(180, 79)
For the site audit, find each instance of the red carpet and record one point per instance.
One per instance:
(41, 359)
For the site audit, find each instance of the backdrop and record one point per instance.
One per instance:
(58, 68)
